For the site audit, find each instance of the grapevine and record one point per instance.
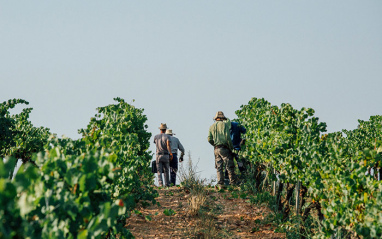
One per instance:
(68, 188)
(332, 168)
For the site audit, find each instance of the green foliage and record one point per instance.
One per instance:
(365, 136)
(121, 129)
(13, 224)
(70, 197)
(283, 138)
(263, 197)
(351, 200)
(73, 196)
(332, 167)
(18, 137)
(169, 212)
(80, 188)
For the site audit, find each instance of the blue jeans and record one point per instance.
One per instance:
(173, 169)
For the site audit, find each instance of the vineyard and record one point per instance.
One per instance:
(89, 188)
(330, 171)
(74, 188)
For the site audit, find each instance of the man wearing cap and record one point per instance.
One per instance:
(219, 137)
(163, 155)
(175, 145)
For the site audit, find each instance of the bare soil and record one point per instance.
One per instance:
(223, 215)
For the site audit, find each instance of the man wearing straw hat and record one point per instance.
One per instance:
(175, 145)
(219, 137)
(163, 155)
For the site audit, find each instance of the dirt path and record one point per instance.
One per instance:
(223, 215)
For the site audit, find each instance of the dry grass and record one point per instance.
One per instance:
(189, 177)
(195, 202)
(197, 198)
(191, 182)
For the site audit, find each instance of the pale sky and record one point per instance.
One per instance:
(184, 60)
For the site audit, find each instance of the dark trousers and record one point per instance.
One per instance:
(173, 169)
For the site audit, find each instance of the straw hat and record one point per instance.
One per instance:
(219, 114)
(169, 131)
(163, 126)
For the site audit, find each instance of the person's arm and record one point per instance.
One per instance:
(210, 137)
(181, 148)
(228, 136)
(169, 148)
